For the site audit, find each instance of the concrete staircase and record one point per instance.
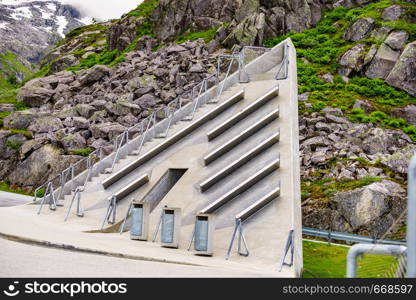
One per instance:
(240, 158)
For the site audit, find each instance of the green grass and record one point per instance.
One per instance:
(111, 58)
(324, 189)
(322, 47)
(207, 35)
(82, 151)
(5, 187)
(10, 65)
(28, 134)
(104, 58)
(14, 145)
(329, 261)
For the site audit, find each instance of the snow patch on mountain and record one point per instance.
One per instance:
(29, 28)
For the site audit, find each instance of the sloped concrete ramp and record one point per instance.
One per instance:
(233, 154)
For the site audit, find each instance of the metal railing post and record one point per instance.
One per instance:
(360, 249)
(411, 220)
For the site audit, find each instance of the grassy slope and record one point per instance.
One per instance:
(9, 67)
(329, 261)
(320, 48)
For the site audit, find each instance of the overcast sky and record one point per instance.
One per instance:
(104, 9)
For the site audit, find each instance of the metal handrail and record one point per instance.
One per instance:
(285, 62)
(63, 180)
(348, 237)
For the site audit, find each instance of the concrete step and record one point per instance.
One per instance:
(258, 205)
(245, 185)
(131, 187)
(212, 156)
(212, 134)
(206, 184)
(174, 138)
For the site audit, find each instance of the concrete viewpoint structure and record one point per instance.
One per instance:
(229, 173)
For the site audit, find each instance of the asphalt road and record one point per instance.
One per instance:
(21, 260)
(11, 199)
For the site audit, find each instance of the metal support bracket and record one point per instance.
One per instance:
(127, 215)
(111, 212)
(52, 200)
(157, 227)
(77, 196)
(290, 245)
(241, 240)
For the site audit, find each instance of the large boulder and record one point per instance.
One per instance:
(19, 120)
(353, 59)
(397, 39)
(359, 30)
(393, 13)
(248, 32)
(5, 151)
(372, 207)
(382, 63)
(122, 108)
(107, 130)
(403, 74)
(399, 161)
(376, 141)
(42, 165)
(35, 93)
(408, 113)
(63, 63)
(94, 74)
(71, 142)
(46, 125)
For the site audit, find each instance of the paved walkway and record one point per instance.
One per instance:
(12, 199)
(21, 260)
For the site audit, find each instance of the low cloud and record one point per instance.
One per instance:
(104, 9)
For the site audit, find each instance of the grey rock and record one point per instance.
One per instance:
(147, 101)
(393, 13)
(71, 142)
(94, 74)
(35, 94)
(399, 161)
(107, 131)
(46, 125)
(365, 206)
(359, 30)
(30, 146)
(382, 63)
(81, 123)
(85, 110)
(43, 164)
(5, 107)
(380, 34)
(403, 74)
(353, 59)
(408, 113)
(364, 105)
(370, 54)
(19, 120)
(397, 39)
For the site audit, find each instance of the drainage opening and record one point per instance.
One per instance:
(163, 186)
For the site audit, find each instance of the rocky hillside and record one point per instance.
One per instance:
(27, 30)
(356, 67)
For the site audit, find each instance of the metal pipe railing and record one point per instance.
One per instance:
(360, 249)
(411, 219)
(124, 137)
(285, 63)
